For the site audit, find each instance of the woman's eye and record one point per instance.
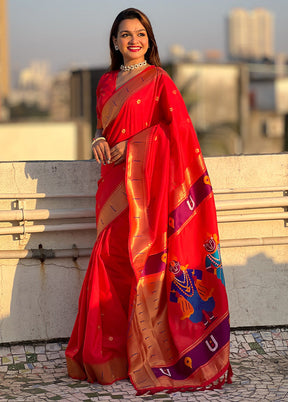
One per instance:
(142, 34)
(124, 35)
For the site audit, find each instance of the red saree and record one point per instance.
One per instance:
(153, 304)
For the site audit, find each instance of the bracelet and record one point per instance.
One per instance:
(97, 139)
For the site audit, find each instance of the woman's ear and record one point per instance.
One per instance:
(114, 41)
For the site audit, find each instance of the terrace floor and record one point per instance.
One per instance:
(37, 372)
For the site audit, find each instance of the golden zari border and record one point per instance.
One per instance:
(117, 100)
(142, 240)
(139, 239)
(113, 207)
(150, 321)
(203, 375)
(104, 373)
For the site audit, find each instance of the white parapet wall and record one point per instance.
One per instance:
(58, 140)
(256, 275)
(38, 299)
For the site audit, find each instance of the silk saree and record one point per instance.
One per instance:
(153, 305)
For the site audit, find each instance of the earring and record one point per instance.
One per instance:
(116, 47)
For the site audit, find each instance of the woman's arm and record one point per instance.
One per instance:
(100, 147)
(103, 153)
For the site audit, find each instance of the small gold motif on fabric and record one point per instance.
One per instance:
(123, 131)
(138, 101)
(164, 258)
(188, 362)
(207, 180)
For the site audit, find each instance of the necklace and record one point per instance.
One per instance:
(133, 66)
(185, 286)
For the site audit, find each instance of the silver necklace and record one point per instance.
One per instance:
(133, 66)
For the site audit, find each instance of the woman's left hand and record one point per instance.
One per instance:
(118, 152)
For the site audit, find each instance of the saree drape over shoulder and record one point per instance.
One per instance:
(153, 305)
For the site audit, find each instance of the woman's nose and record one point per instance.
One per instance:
(133, 39)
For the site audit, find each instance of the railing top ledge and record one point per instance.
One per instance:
(242, 190)
(232, 190)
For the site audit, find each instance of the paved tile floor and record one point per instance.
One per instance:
(38, 373)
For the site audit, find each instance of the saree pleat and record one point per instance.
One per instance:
(153, 303)
(97, 347)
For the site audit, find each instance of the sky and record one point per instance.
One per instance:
(75, 33)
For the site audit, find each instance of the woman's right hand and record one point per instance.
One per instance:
(101, 151)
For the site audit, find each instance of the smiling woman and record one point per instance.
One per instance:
(153, 304)
(132, 42)
(138, 32)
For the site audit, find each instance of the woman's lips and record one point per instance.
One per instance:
(134, 48)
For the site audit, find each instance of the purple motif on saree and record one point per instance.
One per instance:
(197, 193)
(197, 357)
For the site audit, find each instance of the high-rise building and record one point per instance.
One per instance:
(4, 58)
(251, 34)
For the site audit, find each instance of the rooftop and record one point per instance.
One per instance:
(37, 372)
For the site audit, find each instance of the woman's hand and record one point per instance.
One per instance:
(118, 152)
(102, 152)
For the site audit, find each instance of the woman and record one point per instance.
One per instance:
(153, 304)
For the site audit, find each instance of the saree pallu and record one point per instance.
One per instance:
(153, 303)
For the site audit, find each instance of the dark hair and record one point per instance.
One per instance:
(151, 56)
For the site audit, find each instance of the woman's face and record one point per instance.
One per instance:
(132, 40)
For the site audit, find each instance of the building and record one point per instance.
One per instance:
(4, 58)
(268, 114)
(4, 63)
(250, 34)
(211, 92)
(36, 76)
(34, 86)
(60, 97)
(32, 97)
(83, 96)
(235, 108)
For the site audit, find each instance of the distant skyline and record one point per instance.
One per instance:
(251, 34)
(74, 33)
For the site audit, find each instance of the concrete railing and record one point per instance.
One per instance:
(47, 231)
(272, 206)
(23, 218)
